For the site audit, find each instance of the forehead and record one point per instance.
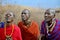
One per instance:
(47, 12)
(9, 13)
(50, 11)
(26, 12)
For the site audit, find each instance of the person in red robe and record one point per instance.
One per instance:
(10, 31)
(29, 29)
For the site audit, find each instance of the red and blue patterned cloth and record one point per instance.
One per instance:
(54, 34)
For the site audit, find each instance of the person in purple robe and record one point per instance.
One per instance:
(50, 27)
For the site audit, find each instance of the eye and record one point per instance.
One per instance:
(10, 15)
(23, 13)
(47, 13)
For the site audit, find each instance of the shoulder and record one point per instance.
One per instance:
(19, 23)
(58, 21)
(58, 24)
(2, 22)
(43, 22)
(34, 22)
(16, 28)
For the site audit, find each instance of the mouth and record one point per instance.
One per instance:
(46, 17)
(8, 21)
(23, 18)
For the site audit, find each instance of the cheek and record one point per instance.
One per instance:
(50, 16)
(23, 17)
(26, 16)
(9, 18)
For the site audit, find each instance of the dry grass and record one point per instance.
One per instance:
(37, 14)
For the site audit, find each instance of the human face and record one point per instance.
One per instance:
(25, 16)
(9, 17)
(48, 16)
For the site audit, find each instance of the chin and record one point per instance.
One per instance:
(47, 20)
(8, 21)
(23, 19)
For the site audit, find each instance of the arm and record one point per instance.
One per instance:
(43, 37)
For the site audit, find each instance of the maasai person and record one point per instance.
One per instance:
(10, 31)
(1, 23)
(50, 28)
(29, 28)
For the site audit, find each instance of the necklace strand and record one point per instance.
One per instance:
(6, 32)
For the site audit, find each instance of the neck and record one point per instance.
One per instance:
(8, 24)
(27, 22)
(49, 23)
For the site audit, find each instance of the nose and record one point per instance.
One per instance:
(23, 15)
(46, 15)
(8, 15)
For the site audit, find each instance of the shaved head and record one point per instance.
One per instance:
(25, 14)
(9, 16)
(51, 11)
(49, 15)
(26, 11)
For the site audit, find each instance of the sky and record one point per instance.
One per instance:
(34, 3)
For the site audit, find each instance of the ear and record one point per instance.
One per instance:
(53, 16)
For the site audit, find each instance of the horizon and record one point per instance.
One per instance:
(34, 3)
